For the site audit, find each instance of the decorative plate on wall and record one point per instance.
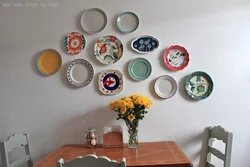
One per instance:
(74, 43)
(139, 69)
(49, 62)
(199, 85)
(94, 20)
(145, 44)
(165, 87)
(110, 82)
(176, 58)
(80, 73)
(127, 22)
(108, 49)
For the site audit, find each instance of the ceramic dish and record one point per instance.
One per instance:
(165, 87)
(199, 85)
(49, 62)
(110, 82)
(94, 20)
(144, 44)
(74, 43)
(127, 22)
(176, 58)
(139, 69)
(108, 49)
(80, 73)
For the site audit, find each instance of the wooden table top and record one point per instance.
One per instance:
(164, 154)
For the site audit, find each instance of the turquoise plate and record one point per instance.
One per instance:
(127, 22)
(199, 85)
(139, 69)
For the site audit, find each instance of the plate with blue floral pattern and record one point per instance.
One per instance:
(145, 44)
(199, 85)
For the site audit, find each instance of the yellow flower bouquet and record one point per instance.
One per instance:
(131, 110)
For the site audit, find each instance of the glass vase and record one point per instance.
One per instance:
(133, 134)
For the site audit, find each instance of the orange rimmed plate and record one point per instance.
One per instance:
(49, 62)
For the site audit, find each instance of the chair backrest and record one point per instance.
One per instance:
(16, 141)
(91, 160)
(226, 137)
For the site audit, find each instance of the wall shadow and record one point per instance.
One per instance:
(62, 45)
(194, 140)
(90, 53)
(63, 77)
(114, 24)
(151, 89)
(125, 72)
(203, 151)
(78, 22)
(161, 61)
(34, 63)
(96, 83)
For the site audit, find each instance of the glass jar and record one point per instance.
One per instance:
(133, 133)
(91, 138)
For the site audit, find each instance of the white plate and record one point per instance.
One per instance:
(127, 22)
(94, 20)
(165, 87)
(80, 73)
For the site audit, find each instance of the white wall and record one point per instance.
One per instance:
(215, 32)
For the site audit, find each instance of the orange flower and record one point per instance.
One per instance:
(112, 38)
(119, 52)
(123, 110)
(75, 43)
(103, 49)
(131, 117)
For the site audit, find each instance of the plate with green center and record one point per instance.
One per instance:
(139, 69)
(199, 85)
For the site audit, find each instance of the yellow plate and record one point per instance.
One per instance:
(49, 62)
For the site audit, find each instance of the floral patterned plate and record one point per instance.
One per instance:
(108, 49)
(145, 44)
(176, 58)
(110, 82)
(80, 73)
(74, 43)
(199, 85)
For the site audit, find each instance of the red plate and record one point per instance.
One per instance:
(176, 58)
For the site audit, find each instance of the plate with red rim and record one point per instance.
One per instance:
(110, 82)
(176, 58)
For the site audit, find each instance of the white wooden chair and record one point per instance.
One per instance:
(13, 142)
(219, 133)
(91, 161)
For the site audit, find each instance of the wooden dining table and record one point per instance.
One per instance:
(151, 154)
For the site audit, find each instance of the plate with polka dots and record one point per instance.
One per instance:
(80, 73)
